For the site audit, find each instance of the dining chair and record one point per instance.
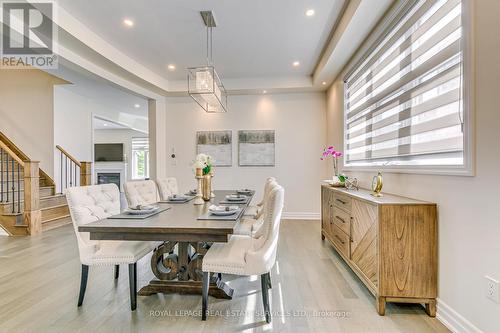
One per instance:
(93, 203)
(245, 256)
(141, 192)
(167, 187)
(249, 226)
(256, 211)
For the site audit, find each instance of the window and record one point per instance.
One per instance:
(404, 105)
(140, 158)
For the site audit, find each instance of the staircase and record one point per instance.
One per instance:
(46, 209)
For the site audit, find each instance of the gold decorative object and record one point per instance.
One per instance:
(377, 185)
(206, 191)
(199, 172)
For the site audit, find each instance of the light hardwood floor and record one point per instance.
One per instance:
(39, 281)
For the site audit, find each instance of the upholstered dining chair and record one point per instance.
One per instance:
(93, 203)
(141, 192)
(245, 256)
(256, 211)
(251, 226)
(167, 187)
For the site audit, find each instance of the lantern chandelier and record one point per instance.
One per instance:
(204, 85)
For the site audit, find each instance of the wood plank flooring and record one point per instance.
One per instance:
(313, 291)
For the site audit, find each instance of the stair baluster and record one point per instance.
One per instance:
(19, 188)
(1, 174)
(7, 172)
(13, 188)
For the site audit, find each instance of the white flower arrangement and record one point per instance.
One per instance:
(204, 162)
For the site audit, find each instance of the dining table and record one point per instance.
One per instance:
(183, 240)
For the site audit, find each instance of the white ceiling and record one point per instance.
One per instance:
(103, 124)
(253, 39)
(124, 109)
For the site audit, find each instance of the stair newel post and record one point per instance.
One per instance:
(32, 214)
(85, 173)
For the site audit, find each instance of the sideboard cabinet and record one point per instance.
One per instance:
(390, 243)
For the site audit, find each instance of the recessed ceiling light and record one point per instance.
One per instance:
(137, 106)
(310, 12)
(323, 83)
(171, 67)
(128, 22)
(264, 91)
(296, 64)
(105, 124)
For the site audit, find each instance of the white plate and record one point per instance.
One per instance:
(244, 191)
(140, 212)
(178, 198)
(235, 198)
(223, 212)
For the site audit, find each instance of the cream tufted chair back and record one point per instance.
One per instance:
(88, 204)
(167, 187)
(143, 192)
(263, 255)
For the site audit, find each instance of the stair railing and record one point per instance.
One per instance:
(73, 172)
(10, 166)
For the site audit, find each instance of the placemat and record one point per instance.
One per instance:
(125, 216)
(234, 217)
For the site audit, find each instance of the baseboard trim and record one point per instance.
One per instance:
(300, 216)
(454, 321)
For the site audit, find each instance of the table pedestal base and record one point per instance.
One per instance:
(218, 289)
(181, 272)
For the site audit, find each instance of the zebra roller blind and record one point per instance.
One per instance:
(403, 101)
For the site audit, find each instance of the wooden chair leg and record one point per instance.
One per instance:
(83, 284)
(117, 271)
(264, 281)
(204, 301)
(132, 278)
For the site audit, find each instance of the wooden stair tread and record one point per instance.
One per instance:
(56, 218)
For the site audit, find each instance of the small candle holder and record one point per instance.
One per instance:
(199, 199)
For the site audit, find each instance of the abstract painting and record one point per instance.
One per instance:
(217, 144)
(256, 148)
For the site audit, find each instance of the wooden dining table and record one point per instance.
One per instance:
(177, 262)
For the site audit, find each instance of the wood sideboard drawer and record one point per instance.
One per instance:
(342, 220)
(341, 240)
(342, 201)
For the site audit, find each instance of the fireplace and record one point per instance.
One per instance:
(109, 178)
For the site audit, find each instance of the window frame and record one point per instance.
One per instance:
(468, 167)
(146, 161)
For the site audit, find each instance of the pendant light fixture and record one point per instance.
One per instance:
(204, 85)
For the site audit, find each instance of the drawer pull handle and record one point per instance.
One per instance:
(340, 219)
(340, 239)
(341, 201)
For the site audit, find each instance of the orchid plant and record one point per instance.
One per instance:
(330, 151)
(204, 162)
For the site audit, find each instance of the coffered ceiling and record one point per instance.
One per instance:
(253, 39)
(274, 45)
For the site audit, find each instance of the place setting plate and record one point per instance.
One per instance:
(244, 191)
(176, 198)
(139, 212)
(235, 199)
(228, 213)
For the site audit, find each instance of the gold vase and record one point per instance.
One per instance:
(206, 188)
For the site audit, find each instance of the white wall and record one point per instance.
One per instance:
(469, 219)
(72, 127)
(73, 112)
(120, 136)
(26, 117)
(299, 121)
